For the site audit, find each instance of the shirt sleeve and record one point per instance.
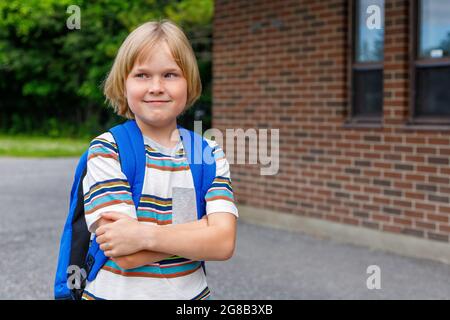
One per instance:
(105, 186)
(219, 197)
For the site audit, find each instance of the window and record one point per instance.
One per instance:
(367, 55)
(430, 72)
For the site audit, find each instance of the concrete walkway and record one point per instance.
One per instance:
(268, 263)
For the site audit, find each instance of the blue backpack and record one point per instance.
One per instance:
(80, 258)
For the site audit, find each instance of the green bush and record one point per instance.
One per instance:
(50, 76)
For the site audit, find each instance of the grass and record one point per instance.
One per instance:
(26, 146)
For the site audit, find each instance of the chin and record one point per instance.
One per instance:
(158, 122)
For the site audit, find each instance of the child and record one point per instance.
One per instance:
(154, 78)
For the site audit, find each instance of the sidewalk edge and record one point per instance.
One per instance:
(401, 244)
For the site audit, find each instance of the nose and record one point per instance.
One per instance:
(156, 87)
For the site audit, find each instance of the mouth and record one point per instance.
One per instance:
(156, 102)
(151, 101)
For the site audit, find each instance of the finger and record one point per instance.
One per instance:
(111, 215)
(100, 240)
(100, 230)
(110, 253)
(106, 247)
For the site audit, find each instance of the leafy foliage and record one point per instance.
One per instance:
(51, 76)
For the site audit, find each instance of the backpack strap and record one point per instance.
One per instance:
(208, 169)
(130, 144)
(202, 164)
(203, 167)
(130, 141)
(208, 174)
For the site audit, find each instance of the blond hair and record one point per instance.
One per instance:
(136, 47)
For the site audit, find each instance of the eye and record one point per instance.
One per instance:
(171, 75)
(140, 75)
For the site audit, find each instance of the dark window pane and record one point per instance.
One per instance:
(369, 27)
(434, 28)
(367, 92)
(433, 91)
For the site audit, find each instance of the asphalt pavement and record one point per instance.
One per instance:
(267, 264)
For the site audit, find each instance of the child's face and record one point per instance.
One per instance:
(156, 90)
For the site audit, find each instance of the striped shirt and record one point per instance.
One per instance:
(168, 196)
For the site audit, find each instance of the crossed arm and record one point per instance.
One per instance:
(131, 244)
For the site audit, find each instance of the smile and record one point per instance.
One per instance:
(156, 102)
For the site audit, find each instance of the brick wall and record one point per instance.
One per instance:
(283, 64)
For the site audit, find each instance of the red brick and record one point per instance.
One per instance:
(252, 87)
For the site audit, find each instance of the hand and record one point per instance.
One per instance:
(122, 237)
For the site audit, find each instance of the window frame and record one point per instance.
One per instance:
(416, 62)
(352, 65)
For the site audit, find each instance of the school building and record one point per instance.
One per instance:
(360, 91)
